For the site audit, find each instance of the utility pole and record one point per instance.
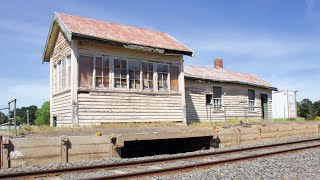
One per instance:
(28, 123)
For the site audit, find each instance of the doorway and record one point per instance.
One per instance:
(264, 105)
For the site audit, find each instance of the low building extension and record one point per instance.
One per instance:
(223, 94)
(102, 72)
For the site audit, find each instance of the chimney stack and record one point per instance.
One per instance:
(218, 63)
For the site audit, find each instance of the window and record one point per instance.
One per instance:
(55, 78)
(147, 75)
(85, 71)
(120, 73)
(162, 70)
(63, 74)
(209, 99)
(251, 99)
(217, 98)
(102, 73)
(69, 71)
(174, 78)
(134, 74)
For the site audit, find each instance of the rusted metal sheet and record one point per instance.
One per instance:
(222, 75)
(120, 33)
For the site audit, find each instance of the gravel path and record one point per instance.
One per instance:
(228, 172)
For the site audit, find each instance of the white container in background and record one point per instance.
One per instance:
(284, 104)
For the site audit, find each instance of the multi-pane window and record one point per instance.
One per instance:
(63, 74)
(217, 98)
(120, 73)
(94, 72)
(85, 71)
(162, 70)
(174, 78)
(147, 75)
(134, 74)
(251, 99)
(55, 79)
(69, 71)
(102, 72)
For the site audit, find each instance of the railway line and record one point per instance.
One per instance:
(171, 165)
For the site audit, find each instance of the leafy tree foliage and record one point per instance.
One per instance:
(43, 115)
(309, 110)
(3, 118)
(22, 114)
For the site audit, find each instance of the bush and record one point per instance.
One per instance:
(43, 115)
(317, 118)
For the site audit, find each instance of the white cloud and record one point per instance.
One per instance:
(256, 46)
(26, 93)
(288, 62)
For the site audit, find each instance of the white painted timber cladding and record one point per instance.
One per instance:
(232, 95)
(60, 103)
(61, 108)
(104, 107)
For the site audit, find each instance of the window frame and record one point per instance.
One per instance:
(126, 76)
(68, 69)
(153, 76)
(215, 99)
(168, 78)
(251, 102)
(112, 71)
(94, 74)
(140, 75)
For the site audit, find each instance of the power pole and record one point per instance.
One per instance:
(28, 123)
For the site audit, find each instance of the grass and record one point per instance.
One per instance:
(285, 120)
(25, 129)
(220, 123)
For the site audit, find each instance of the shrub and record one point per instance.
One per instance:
(43, 115)
(317, 118)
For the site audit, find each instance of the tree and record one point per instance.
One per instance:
(306, 109)
(22, 113)
(3, 118)
(316, 108)
(43, 115)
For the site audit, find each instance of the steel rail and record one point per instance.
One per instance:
(188, 167)
(57, 172)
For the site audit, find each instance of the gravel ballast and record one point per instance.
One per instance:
(301, 165)
(241, 171)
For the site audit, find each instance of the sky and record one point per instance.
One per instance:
(277, 40)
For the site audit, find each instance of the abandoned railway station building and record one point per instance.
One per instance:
(103, 72)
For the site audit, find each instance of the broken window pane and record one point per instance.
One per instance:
(162, 77)
(134, 74)
(147, 75)
(120, 68)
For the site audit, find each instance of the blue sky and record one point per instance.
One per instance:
(277, 40)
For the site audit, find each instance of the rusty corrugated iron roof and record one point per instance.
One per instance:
(223, 75)
(120, 33)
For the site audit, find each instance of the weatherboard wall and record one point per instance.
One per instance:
(98, 106)
(235, 95)
(60, 101)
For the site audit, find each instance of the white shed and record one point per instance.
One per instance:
(284, 104)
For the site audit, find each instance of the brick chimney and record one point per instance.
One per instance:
(218, 63)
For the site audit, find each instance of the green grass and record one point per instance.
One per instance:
(285, 120)
(220, 123)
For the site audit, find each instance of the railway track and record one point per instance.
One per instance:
(152, 167)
